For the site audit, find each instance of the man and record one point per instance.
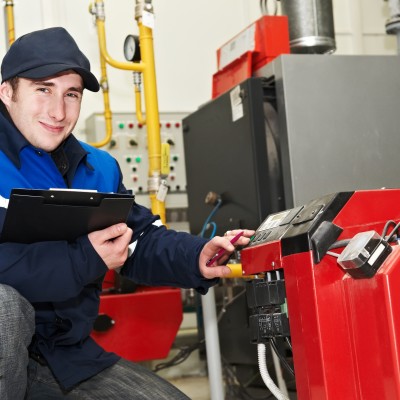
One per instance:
(43, 77)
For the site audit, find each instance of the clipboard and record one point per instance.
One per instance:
(35, 215)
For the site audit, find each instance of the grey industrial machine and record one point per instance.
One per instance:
(303, 127)
(308, 125)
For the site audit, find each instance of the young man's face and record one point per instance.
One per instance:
(45, 111)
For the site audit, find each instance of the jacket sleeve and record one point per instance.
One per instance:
(50, 271)
(163, 257)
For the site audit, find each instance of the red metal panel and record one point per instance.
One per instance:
(368, 209)
(319, 329)
(257, 259)
(236, 72)
(271, 39)
(146, 323)
(374, 321)
(345, 332)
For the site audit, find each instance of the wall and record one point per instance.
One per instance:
(186, 36)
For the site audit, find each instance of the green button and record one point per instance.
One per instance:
(121, 125)
(175, 158)
(138, 159)
(128, 159)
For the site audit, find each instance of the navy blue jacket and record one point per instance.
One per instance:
(63, 280)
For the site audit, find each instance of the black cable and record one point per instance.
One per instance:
(393, 232)
(386, 227)
(345, 242)
(179, 358)
(287, 340)
(235, 389)
(281, 357)
(229, 303)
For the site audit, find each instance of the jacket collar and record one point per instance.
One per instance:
(11, 139)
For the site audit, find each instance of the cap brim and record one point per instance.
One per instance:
(90, 82)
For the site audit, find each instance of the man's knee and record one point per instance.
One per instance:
(16, 329)
(17, 317)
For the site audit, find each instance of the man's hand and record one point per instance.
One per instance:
(218, 270)
(112, 244)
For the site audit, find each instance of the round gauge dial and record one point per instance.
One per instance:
(132, 48)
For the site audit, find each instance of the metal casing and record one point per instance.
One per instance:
(345, 332)
(311, 125)
(311, 26)
(145, 323)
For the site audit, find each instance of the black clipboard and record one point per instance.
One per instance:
(35, 215)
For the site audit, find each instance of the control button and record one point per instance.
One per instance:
(258, 236)
(138, 159)
(121, 125)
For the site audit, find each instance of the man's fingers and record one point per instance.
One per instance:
(216, 272)
(112, 244)
(110, 233)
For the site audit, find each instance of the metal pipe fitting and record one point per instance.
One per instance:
(143, 5)
(97, 9)
(153, 183)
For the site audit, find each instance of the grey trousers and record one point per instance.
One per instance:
(125, 380)
(23, 378)
(17, 325)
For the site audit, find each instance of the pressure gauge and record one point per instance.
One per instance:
(132, 48)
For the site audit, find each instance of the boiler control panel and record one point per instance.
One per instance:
(293, 231)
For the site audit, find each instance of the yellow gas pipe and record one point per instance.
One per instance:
(98, 11)
(147, 68)
(152, 117)
(237, 271)
(138, 101)
(107, 109)
(9, 8)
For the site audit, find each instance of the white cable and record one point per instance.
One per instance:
(278, 371)
(269, 383)
(333, 254)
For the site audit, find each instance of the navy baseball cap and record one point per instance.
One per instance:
(45, 53)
